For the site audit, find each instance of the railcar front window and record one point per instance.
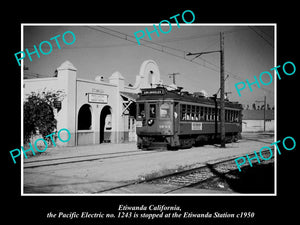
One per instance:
(164, 111)
(152, 113)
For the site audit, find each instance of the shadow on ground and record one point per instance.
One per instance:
(256, 179)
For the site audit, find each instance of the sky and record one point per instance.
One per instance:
(248, 51)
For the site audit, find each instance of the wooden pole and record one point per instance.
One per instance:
(222, 87)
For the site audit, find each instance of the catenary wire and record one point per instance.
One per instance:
(163, 48)
(269, 43)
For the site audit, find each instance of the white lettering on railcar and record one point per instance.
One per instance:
(196, 126)
(165, 126)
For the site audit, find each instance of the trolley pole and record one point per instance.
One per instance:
(222, 87)
(265, 106)
(173, 75)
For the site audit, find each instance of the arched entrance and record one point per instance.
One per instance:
(85, 117)
(85, 132)
(105, 125)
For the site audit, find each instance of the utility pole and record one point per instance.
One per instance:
(222, 86)
(265, 104)
(173, 74)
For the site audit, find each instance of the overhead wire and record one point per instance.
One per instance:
(163, 48)
(160, 47)
(269, 43)
(270, 36)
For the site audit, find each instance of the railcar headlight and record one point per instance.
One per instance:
(150, 122)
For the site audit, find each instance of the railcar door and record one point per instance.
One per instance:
(176, 122)
(176, 118)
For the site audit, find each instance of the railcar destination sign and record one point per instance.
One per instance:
(153, 92)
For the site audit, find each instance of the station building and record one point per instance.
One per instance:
(254, 120)
(95, 111)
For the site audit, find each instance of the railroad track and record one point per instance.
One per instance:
(94, 157)
(257, 140)
(203, 176)
(83, 158)
(189, 177)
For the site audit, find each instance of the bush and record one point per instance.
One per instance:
(39, 115)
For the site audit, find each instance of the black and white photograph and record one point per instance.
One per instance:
(173, 118)
(147, 119)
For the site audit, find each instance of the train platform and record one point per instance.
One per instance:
(89, 169)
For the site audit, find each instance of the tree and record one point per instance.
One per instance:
(39, 115)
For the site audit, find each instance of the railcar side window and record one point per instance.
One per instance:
(206, 114)
(201, 113)
(152, 113)
(188, 113)
(226, 115)
(182, 109)
(141, 110)
(164, 111)
(197, 113)
(193, 113)
(209, 114)
(236, 116)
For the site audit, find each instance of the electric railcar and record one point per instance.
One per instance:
(177, 119)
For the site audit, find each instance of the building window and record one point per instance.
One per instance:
(85, 118)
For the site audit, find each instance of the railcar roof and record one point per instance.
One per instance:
(161, 93)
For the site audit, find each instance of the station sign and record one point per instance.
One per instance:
(97, 98)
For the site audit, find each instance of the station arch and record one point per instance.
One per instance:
(105, 124)
(85, 117)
